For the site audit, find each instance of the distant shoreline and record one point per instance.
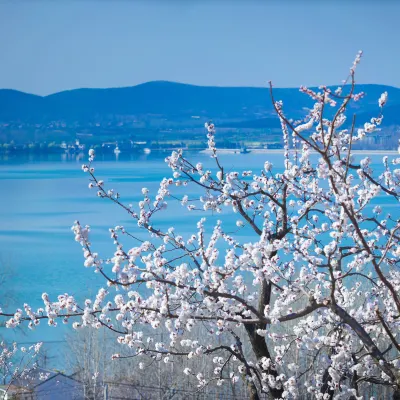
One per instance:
(280, 151)
(220, 151)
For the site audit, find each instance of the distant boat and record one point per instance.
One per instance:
(243, 150)
(146, 150)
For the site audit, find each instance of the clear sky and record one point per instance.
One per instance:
(48, 46)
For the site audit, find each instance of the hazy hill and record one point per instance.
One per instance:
(235, 106)
(19, 106)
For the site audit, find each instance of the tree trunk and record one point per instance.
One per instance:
(326, 389)
(354, 378)
(253, 392)
(258, 342)
(260, 350)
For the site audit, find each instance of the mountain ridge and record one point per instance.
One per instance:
(169, 101)
(161, 82)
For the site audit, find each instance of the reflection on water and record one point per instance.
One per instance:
(28, 157)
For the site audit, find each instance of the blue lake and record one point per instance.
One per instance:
(42, 196)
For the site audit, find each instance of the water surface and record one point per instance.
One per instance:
(42, 196)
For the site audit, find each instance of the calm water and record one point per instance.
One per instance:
(40, 199)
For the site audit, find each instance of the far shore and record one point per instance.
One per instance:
(280, 151)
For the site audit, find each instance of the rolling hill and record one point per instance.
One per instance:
(235, 106)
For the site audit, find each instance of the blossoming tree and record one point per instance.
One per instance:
(308, 305)
(17, 362)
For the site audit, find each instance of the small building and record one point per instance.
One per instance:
(47, 385)
(58, 387)
(11, 392)
(3, 393)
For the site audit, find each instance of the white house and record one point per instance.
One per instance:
(3, 394)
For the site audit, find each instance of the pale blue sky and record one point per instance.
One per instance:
(48, 46)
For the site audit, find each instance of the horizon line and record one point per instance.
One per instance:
(186, 84)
